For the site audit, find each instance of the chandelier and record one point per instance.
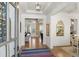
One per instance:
(38, 7)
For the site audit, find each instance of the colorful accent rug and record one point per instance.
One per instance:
(39, 52)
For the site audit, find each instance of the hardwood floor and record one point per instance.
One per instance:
(59, 52)
(36, 43)
(56, 51)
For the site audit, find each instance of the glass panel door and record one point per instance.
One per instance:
(3, 21)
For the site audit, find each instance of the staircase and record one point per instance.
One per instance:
(39, 52)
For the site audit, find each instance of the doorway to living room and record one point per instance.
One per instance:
(33, 31)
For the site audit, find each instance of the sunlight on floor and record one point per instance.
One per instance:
(33, 43)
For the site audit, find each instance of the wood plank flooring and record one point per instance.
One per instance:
(57, 51)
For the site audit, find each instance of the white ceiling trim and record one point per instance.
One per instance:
(34, 11)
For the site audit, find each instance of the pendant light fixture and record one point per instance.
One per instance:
(38, 7)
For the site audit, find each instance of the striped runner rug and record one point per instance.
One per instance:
(39, 52)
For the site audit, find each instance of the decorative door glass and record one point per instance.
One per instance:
(3, 21)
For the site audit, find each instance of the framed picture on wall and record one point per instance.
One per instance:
(60, 28)
(47, 29)
(20, 27)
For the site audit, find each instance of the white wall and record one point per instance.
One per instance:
(60, 40)
(11, 48)
(47, 38)
(12, 19)
(21, 34)
(2, 51)
(65, 17)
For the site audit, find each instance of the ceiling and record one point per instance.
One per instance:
(25, 6)
(46, 7)
(31, 5)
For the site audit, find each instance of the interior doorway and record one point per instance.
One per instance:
(33, 30)
(73, 29)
